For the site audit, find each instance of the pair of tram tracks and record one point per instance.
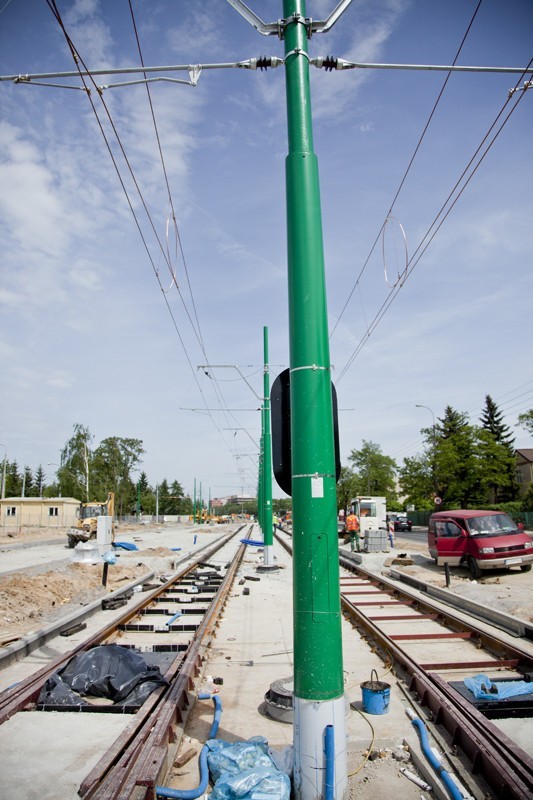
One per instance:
(185, 611)
(398, 622)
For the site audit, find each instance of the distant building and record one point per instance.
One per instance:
(39, 512)
(524, 468)
(232, 499)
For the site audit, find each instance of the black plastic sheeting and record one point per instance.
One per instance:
(116, 673)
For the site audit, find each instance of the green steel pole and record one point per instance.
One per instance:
(194, 504)
(267, 459)
(318, 674)
(260, 483)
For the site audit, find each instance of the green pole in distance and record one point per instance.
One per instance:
(318, 674)
(267, 459)
(194, 503)
(260, 477)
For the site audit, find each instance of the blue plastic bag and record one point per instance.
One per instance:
(483, 688)
(245, 771)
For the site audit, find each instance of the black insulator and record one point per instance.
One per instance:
(330, 63)
(263, 62)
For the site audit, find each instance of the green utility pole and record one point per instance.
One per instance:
(194, 504)
(318, 675)
(267, 461)
(260, 483)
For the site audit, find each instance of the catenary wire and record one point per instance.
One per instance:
(77, 60)
(407, 170)
(218, 392)
(436, 224)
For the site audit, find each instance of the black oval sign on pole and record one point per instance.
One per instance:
(280, 410)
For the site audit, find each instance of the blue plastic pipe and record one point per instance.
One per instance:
(192, 794)
(329, 749)
(174, 618)
(450, 785)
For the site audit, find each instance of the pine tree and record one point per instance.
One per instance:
(499, 461)
(492, 420)
(28, 481)
(456, 465)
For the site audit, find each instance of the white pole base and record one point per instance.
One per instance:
(310, 721)
(268, 555)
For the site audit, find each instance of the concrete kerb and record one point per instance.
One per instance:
(33, 543)
(26, 644)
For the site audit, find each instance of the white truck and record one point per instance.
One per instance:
(371, 512)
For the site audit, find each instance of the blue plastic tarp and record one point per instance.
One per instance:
(245, 771)
(253, 542)
(483, 688)
(125, 545)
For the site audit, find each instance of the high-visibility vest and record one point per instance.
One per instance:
(352, 523)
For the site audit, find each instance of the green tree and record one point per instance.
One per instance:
(525, 420)
(40, 482)
(417, 480)
(112, 464)
(496, 468)
(456, 466)
(13, 486)
(28, 481)
(375, 472)
(492, 420)
(142, 483)
(496, 449)
(346, 489)
(280, 505)
(164, 497)
(176, 497)
(74, 474)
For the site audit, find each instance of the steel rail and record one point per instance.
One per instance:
(142, 755)
(18, 697)
(505, 767)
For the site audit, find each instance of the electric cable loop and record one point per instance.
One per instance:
(402, 276)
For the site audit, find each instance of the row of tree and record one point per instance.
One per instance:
(463, 464)
(89, 473)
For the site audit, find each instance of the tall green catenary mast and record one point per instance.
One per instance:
(266, 494)
(318, 675)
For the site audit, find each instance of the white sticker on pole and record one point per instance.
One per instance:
(317, 486)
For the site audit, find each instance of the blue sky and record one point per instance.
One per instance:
(86, 335)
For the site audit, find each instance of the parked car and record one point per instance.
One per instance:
(400, 519)
(479, 540)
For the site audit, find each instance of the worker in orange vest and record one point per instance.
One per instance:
(352, 526)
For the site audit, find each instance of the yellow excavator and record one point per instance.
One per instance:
(87, 522)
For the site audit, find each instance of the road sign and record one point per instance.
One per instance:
(438, 500)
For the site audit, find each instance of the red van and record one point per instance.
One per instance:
(479, 540)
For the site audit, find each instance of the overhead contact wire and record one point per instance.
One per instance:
(425, 241)
(410, 164)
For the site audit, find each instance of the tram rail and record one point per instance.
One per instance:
(139, 758)
(376, 605)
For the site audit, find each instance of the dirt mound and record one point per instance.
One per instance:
(29, 601)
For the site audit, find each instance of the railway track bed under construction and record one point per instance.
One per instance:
(248, 646)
